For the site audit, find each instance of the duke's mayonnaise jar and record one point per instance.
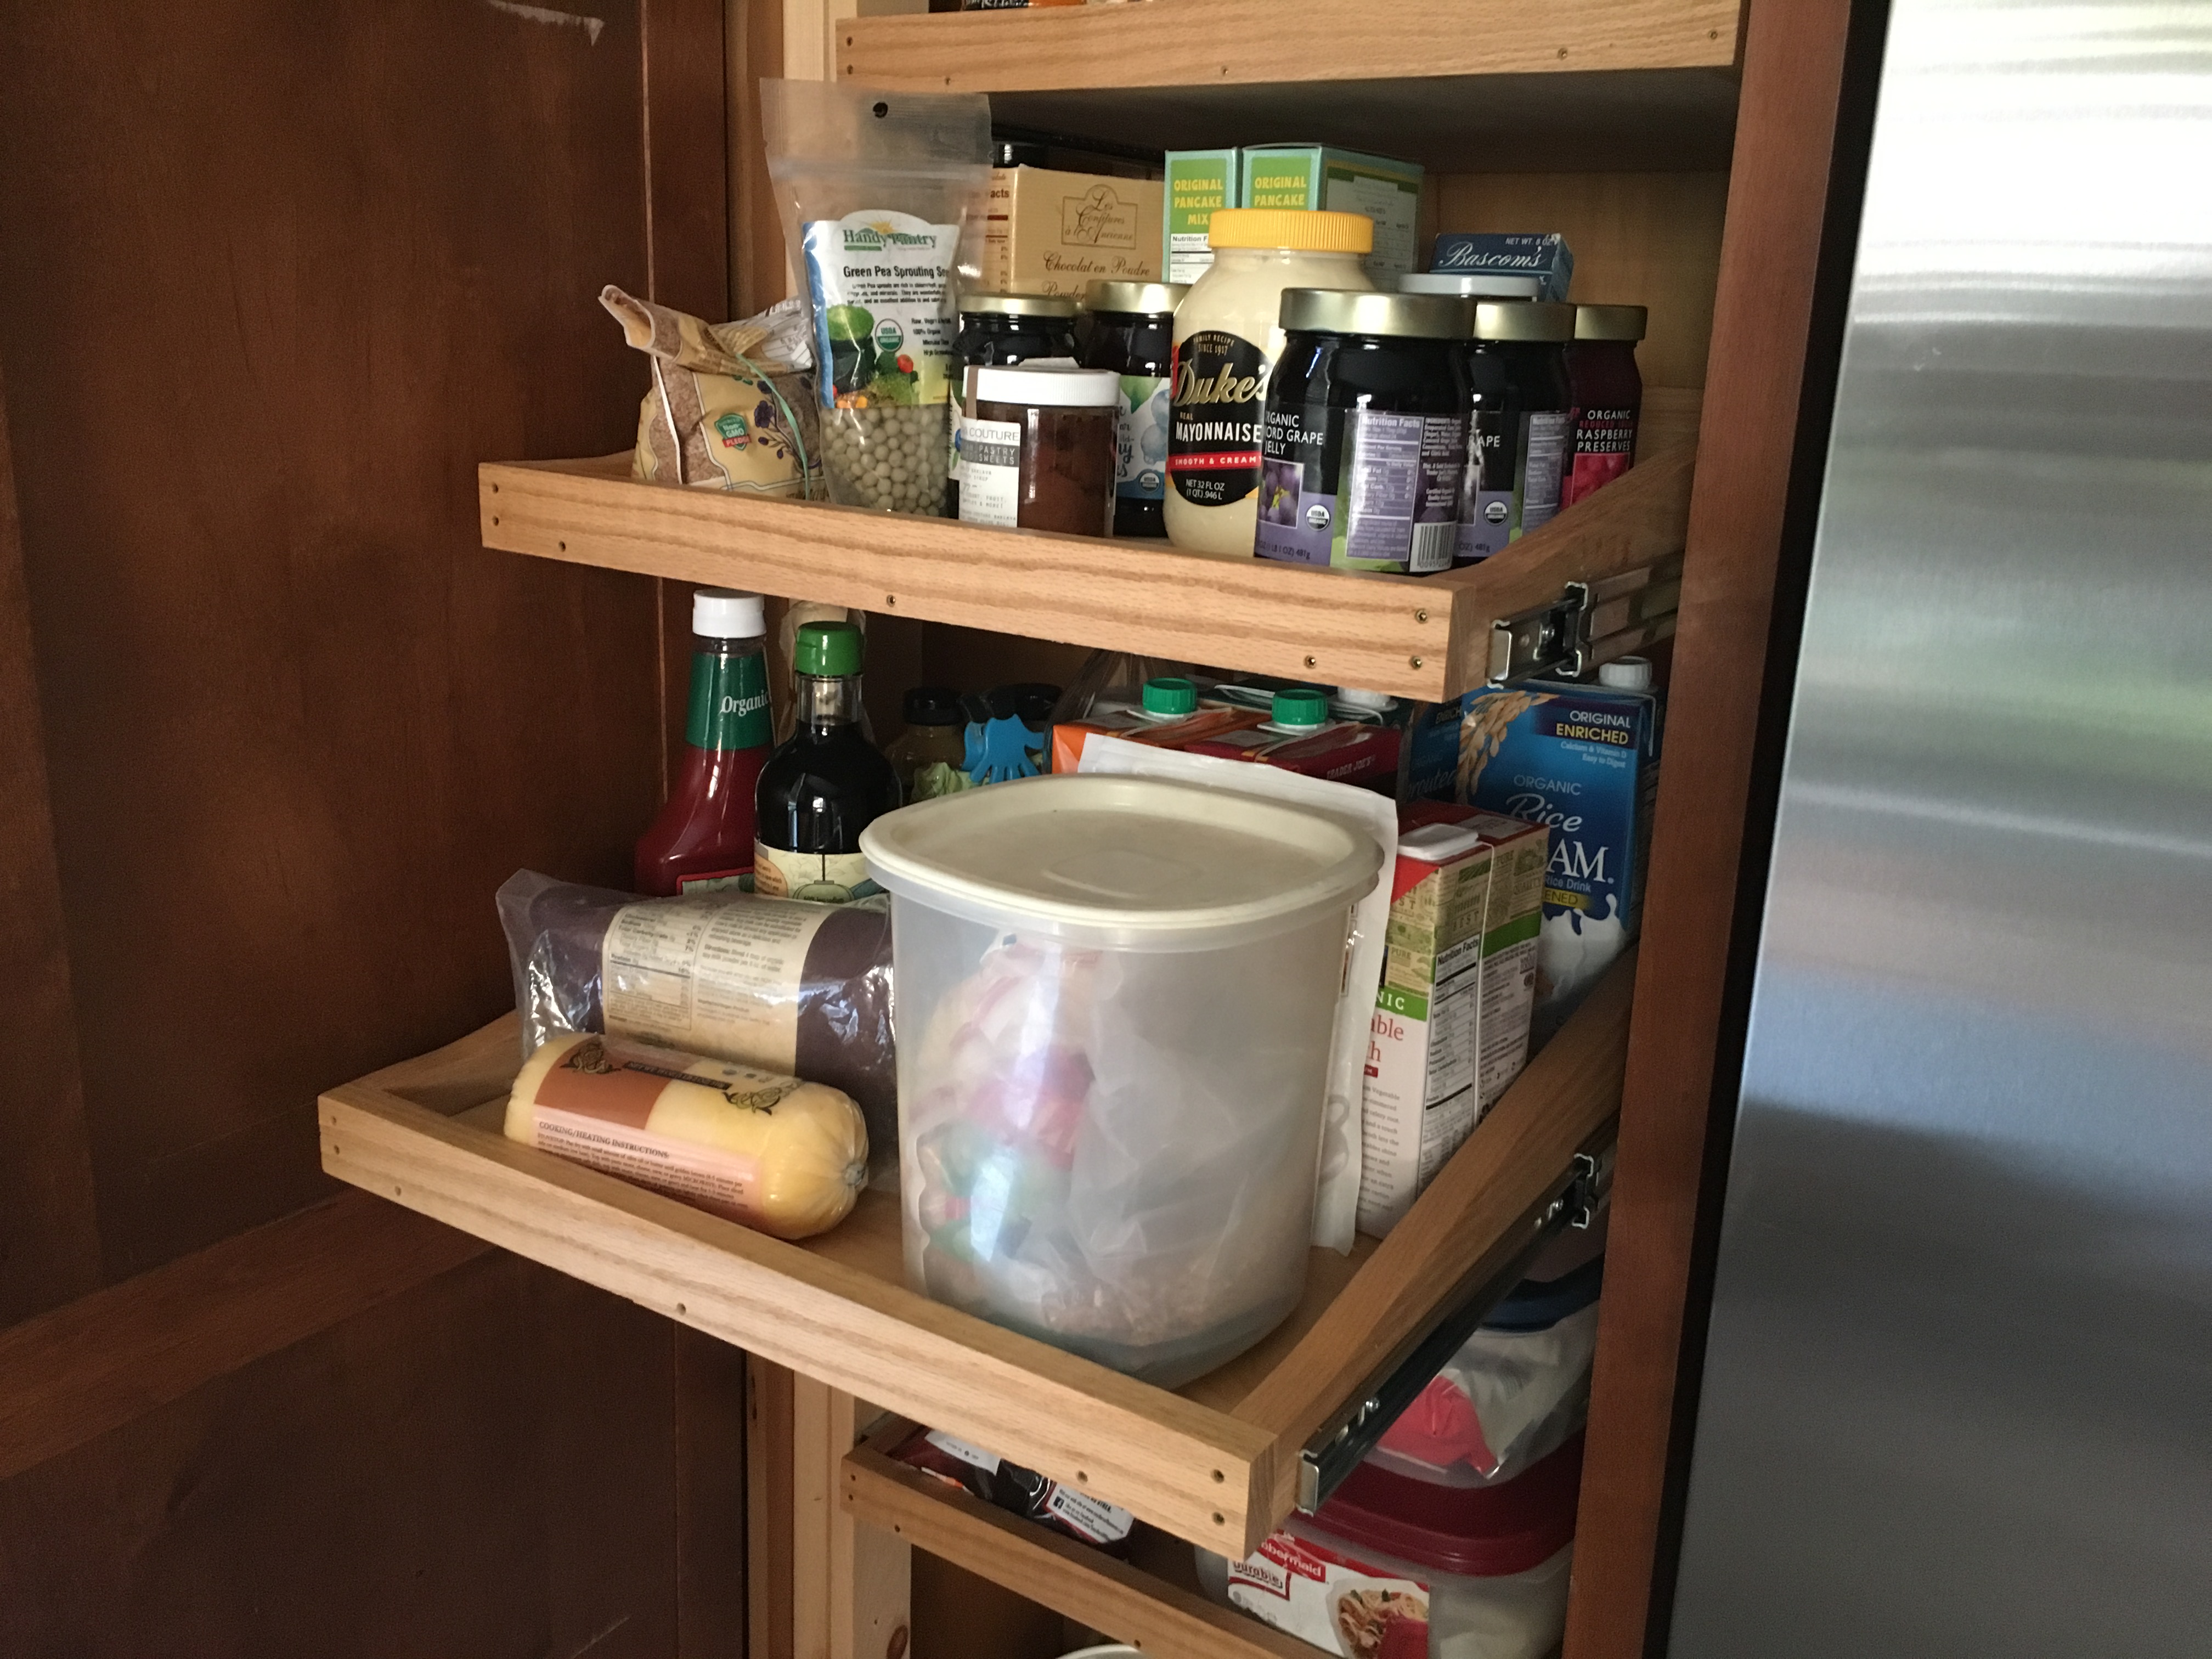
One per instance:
(1226, 340)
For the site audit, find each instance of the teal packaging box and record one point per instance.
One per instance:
(1344, 181)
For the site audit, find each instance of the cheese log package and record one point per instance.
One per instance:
(791, 987)
(786, 1157)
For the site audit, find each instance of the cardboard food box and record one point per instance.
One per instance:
(1344, 181)
(1583, 760)
(1366, 756)
(1544, 255)
(1055, 233)
(1450, 1030)
(1068, 736)
(1198, 181)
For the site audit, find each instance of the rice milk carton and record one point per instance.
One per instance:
(1451, 1018)
(1583, 761)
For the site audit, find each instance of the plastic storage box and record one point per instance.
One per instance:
(1115, 1003)
(1395, 1568)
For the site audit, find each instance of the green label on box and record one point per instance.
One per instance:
(1406, 1004)
(1197, 185)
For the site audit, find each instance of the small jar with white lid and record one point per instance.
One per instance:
(1040, 448)
(1472, 284)
(1228, 335)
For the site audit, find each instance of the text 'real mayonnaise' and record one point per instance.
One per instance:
(1226, 340)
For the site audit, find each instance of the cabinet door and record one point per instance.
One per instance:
(274, 278)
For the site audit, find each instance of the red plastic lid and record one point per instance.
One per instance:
(1478, 1531)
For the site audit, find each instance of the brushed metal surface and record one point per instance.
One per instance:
(1958, 1395)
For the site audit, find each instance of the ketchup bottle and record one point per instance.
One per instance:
(703, 838)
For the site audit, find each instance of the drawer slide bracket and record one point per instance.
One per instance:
(1590, 623)
(1346, 1438)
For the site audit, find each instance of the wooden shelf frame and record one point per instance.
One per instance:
(1216, 1462)
(1167, 1620)
(1215, 43)
(1425, 637)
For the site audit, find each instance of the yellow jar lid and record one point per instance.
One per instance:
(1308, 230)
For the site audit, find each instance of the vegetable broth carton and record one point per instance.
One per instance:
(1344, 181)
(1451, 1018)
(1583, 761)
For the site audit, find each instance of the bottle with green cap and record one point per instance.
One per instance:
(827, 783)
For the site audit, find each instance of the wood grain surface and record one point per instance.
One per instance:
(298, 724)
(1699, 903)
(478, 1467)
(49, 1223)
(1232, 42)
(1414, 636)
(1073, 1578)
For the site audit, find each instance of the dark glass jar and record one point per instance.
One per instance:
(1609, 392)
(1042, 447)
(1000, 328)
(1518, 448)
(1363, 441)
(1129, 327)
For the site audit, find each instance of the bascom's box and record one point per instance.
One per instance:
(1583, 761)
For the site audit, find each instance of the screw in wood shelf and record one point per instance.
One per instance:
(1311, 661)
(1420, 616)
(1416, 662)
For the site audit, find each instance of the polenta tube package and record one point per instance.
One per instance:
(786, 1157)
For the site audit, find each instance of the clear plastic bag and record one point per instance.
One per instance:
(804, 989)
(882, 195)
(1090, 1159)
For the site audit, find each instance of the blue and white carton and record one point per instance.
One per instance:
(1583, 760)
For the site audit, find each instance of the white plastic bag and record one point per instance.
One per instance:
(1336, 1192)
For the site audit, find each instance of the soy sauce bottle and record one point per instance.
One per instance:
(827, 783)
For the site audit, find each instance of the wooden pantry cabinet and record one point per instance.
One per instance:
(648, 1431)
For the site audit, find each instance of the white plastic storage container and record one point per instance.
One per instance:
(1393, 1568)
(1114, 1006)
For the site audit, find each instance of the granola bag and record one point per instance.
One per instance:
(733, 404)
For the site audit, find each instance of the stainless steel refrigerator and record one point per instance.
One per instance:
(1957, 1392)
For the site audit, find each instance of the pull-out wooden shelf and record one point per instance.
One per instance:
(1462, 85)
(1148, 1602)
(1216, 1462)
(1423, 637)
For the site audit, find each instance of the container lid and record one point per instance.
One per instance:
(1308, 230)
(1136, 299)
(933, 705)
(1300, 709)
(1610, 322)
(1542, 321)
(1472, 284)
(1628, 673)
(1051, 386)
(1477, 1531)
(827, 649)
(1169, 696)
(1018, 305)
(722, 613)
(1129, 862)
(1363, 311)
(1381, 702)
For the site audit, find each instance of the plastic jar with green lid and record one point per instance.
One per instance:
(1227, 337)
